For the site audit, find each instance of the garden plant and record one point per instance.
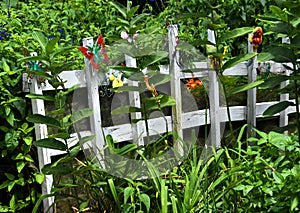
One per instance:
(253, 174)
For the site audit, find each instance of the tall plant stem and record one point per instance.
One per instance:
(228, 112)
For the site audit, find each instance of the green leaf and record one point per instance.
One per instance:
(132, 11)
(5, 66)
(125, 109)
(238, 59)
(86, 139)
(279, 13)
(42, 119)
(138, 18)
(146, 200)
(42, 97)
(114, 192)
(50, 169)
(276, 108)
(126, 149)
(235, 33)
(245, 87)
(264, 56)
(81, 114)
(153, 59)
(20, 166)
(123, 68)
(39, 37)
(273, 82)
(39, 178)
(128, 191)
(51, 45)
(120, 8)
(158, 79)
(62, 51)
(294, 203)
(51, 143)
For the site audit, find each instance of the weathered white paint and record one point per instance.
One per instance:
(214, 100)
(174, 71)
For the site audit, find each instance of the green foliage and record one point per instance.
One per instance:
(285, 26)
(20, 178)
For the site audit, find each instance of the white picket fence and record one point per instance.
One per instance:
(179, 120)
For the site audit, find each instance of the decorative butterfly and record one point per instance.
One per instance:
(34, 66)
(96, 53)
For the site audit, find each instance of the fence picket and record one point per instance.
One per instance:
(174, 71)
(94, 104)
(214, 100)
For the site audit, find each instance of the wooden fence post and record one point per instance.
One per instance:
(251, 94)
(41, 132)
(134, 100)
(214, 100)
(174, 71)
(91, 76)
(283, 117)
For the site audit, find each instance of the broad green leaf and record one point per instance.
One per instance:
(120, 8)
(132, 11)
(51, 45)
(84, 205)
(295, 22)
(279, 13)
(126, 109)
(50, 169)
(278, 177)
(276, 108)
(62, 135)
(146, 200)
(238, 59)
(61, 51)
(114, 192)
(20, 166)
(235, 33)
(216, 26)
(158, 79)
(245, 87)
(294, 203)
(138, 18)
(126, 149)
(128, 191)
(39, 178)
(123, 68)
(153, 59)
(273, 81)
(86, 139)
(63, 67)
(81, 114)
(74, 150)
(28, 140)
(42, 97)
(51, 143)
(42, 119)
(264, 56)
(278, 140)
(39, 37)
(5, 66)
(128, 89)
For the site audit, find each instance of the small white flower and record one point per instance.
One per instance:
(124, 35)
